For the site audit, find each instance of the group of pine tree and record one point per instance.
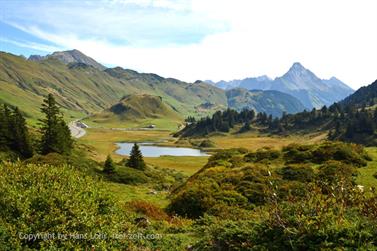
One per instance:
(135, 161)
(354, 119)
(55, 134)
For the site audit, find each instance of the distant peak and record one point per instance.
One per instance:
(334, 79)
(70, 56)
(71, 52)
(263, 78)
(297, 66)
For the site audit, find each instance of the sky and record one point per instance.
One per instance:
(202, 39)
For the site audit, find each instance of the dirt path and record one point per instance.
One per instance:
(76, 131)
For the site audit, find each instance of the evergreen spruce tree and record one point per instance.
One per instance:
(6, 128)
(21, 140)
(136, 158)
(3, 129)
(109, 166)
(56, 136)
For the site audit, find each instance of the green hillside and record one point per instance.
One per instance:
(363, 97)
(82, 89)
(138, 111)
(270, 102)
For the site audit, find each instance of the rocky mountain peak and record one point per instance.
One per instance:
(68, 57)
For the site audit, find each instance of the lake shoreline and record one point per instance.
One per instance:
(152, 149)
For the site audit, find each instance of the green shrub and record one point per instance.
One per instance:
(347, 153)
(231, 198)
(262, 154)
(76, 159)
(223, 157)
(344, 152)
(340, 220)
(128, 175)
(297, 153)
(47, 199)
(298, 173)
(206, 143)
(334, 171)
(194, 201)
(225, 235)
(254, 192)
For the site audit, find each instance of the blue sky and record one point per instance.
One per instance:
(121, 23)
(202, 39)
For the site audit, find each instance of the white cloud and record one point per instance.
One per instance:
(177, 5)
(32, 45)
(337, 37)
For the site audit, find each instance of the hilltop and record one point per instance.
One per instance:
(140, 110)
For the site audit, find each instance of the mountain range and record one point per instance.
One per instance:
(83, 86)
(299, 82)
(274, 103)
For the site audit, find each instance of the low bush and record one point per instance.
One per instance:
(206, 143)
(128, 175)
(194, 201)
(41, 199)
(302, 173)
(341, 220)
(266, 154)
(148, 209)
(319, 154)
(333, 172)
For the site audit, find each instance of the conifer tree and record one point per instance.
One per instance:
(109, 166)
(6, 130)
(3, 130)
(21, 140)
(56, 136)
(136, 158)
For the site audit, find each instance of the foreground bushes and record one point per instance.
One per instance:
(341, 220)
(43, 198)
(236, 177)
(346, 153)
(47, 199)
(300, 198)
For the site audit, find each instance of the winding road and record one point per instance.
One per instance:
(76, 130)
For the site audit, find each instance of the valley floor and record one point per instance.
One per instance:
(100, 142)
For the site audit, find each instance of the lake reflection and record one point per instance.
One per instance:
(149, 150)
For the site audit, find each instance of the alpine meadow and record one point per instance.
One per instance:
(152, 125)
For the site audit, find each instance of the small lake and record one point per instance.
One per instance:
(150, 150)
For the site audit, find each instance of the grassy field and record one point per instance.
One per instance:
(186, 164)
(365, 177)
(160, 123)
(254, 141)
(126, 193)
(102, 141)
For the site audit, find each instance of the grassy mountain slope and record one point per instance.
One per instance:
(365, 96)
(270, 102)
(83, 89)
(138, 111)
